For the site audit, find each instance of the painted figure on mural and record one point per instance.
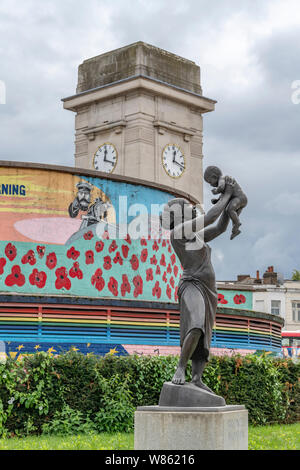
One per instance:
(95, 212)
(197, 292)
(213, 176)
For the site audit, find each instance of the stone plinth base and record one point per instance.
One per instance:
(211, 428)
(188, 395)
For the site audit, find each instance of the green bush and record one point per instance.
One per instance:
(72, 393)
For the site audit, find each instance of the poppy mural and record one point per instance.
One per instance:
(62, 230)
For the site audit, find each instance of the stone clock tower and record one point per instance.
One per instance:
(139, 114)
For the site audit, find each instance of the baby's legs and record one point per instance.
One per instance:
(234, 209)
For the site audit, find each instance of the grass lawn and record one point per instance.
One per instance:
(278, 437)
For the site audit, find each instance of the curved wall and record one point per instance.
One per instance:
(107, 287)
(44, 250)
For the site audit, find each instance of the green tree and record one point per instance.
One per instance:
(296, 275)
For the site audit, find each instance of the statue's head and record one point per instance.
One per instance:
(212, 175)
(175, 212)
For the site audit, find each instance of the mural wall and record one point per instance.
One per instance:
(69, 244)
(66, 234)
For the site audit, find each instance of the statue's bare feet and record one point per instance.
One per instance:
(200, 384)
(179, 376)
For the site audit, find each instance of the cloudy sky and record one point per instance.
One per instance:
(249, 53)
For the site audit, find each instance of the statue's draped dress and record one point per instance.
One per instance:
(196, 283)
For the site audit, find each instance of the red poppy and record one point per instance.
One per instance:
(89, 257)
(113, 286)
(172, 282)
(138, 283)
(105, 235)
(2, 264)
(221, 299)
(40, 251)
(38, 278)
(149, 274)
(176, 294)
(134, 262)
(169, 249)
(125, 286)
(128, 239)
(169, 291)
(107, 262)
(173, 258)
(143, 241)
(157, 270)
(99, 245)
(75, 271)
(153, 260)
(162, 260)
(113, 246)
(164, 243)
(29, 258)
(175, 269)
(10, 251)
(144, 255)
(62, 280)
(118, 259)
(164, 278)
(72, 253)
(169, 269)
(88, 235)
(155, 246)
(156, 291)
(125, 250)
(97, 280)
(239, 299)
(16, 277)
(51, 260)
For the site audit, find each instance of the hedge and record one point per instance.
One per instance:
(72, 393)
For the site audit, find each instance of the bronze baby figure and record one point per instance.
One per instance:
(213, 176)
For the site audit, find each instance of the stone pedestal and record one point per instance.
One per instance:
(188, 395)
(189, 428)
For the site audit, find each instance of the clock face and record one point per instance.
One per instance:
(105, 158)
(173, 160)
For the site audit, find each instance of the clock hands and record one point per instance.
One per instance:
(105, 160)
(174, 160)
(179, 164)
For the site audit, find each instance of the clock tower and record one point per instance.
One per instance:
(139, 114)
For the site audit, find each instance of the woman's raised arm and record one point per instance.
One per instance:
(192, 226)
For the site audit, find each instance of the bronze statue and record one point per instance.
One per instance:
(189, 233)
(213, 176)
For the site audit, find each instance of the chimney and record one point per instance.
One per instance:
(257, 280)
(242, 277)
(270, 277)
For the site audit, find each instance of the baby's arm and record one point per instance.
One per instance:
(221, 186)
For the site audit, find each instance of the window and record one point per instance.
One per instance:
(296, 311)
(275, 307)
(260, 305)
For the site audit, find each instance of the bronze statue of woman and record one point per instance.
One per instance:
(197, 292)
